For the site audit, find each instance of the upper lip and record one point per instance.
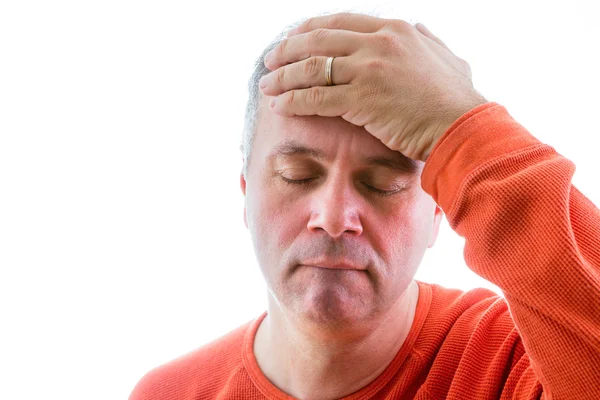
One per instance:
(333, 264)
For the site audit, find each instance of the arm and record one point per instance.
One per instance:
(533, 234)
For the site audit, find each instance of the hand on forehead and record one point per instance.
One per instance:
(327, 139)
(329, 134)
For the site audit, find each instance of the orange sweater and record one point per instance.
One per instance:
(527, 229)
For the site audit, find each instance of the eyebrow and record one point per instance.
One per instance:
(400, 163)
(292, 148)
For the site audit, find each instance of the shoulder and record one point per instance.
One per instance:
(456, 315)
(470, 343)
(198, 372)
(474, 324)
(474, 309)
(452, 304)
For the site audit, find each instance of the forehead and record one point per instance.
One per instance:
(333, 137)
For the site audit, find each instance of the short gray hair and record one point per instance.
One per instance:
(254, 94)
(254, 97)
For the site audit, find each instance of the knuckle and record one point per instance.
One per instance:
(281, 47)
(280, 76)
(399, 25)
(306, 25)
(317, 36)
(339, 20)
(376, 67)
(315, 96)
(289, 99)
(389, 42)
(311, 67)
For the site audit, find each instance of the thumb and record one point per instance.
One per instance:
(426, 32)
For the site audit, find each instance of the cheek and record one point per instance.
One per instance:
(394, 229)
(277, 218)
(402, 229)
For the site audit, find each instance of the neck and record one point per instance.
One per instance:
(310, 366)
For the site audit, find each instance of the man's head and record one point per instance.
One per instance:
(339, 221)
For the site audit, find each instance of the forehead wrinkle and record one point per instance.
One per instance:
(292, 148)
(399, 163)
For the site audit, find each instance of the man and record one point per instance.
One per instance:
(341, 211)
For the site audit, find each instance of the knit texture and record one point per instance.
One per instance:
(527, 229)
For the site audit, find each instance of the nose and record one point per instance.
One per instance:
(335, 208)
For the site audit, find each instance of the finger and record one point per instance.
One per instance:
(320, 42)
(346, 21)
(305, 74)
(330, 101)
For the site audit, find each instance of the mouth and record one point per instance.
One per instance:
(337, 265)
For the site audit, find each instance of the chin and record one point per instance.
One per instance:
(328, 299)
(334, 307)
(331, 319)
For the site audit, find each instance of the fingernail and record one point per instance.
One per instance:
(262, 83)
(272, 103)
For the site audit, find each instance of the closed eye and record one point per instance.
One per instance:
(298, 181)
(381, 192)
(370, 188)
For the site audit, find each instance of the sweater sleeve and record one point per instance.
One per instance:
(529, 231)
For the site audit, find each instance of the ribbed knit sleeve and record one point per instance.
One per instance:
(528, 230)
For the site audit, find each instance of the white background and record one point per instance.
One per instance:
(122, 243)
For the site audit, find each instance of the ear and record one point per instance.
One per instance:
(437, 219)
(243, 187)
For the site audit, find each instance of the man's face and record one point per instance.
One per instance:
(339, 221)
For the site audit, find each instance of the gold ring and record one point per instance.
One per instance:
(328, 65)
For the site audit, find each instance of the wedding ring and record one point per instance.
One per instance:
(328, 65)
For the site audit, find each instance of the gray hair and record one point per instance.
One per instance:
(254, 97)
(254, 94)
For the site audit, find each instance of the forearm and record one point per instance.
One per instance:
(529, 231)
